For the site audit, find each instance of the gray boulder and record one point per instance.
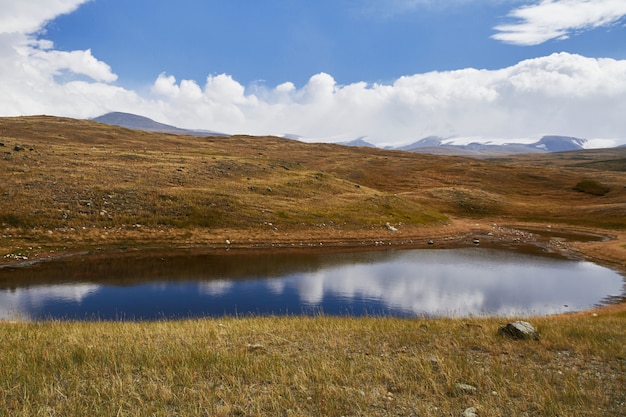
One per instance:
(469, 412)
(465, 388)
(519, 330)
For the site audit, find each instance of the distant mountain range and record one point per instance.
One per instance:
(545, 144)
(133, 121)
(431, 144)
(438, 145)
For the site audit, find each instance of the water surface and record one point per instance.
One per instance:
(407, 283)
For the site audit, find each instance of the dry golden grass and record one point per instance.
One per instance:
(317, 366)
(79, 184)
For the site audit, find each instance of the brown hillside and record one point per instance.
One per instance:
(75, 184)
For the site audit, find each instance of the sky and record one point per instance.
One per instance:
(389, 71)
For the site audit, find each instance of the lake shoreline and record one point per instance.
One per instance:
(566, 241)
(530, 238)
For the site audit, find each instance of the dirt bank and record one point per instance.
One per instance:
(596, 245)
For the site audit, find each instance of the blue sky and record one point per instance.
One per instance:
(275, 41)
(278, 41)
(392, 71)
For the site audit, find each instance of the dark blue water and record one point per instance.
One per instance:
(407, 283)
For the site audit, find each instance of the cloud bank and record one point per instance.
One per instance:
(558, 19)
(562, 93)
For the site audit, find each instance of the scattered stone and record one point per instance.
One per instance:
(430, 242)
(465, 388)
(255, 347)
(18, 148)
(17, 257)
(469, 412)
(476, 241)
(390, 227)
(519, 330)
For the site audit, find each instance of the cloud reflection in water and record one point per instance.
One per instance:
(457, 282)
(19, 303)
(462, 282)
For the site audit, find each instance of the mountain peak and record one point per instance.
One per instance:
(554, 143)
(426, 142)
(136, 122)
(133, 121)
(358, 142)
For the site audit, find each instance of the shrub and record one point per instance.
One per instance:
(14, 220)
(591, 187)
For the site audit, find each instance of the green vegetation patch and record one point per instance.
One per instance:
(592, 187)
(15, 220)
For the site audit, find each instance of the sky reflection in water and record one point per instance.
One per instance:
(458, 282)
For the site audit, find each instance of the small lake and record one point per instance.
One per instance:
(405, 283)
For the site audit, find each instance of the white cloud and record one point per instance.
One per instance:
(36, 78)
(29, 16)
(558, 94)
(75, 62)
(558, 19)
(285, 88)
(166, 85)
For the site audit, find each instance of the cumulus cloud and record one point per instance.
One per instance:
(36, 78)
(558, 19)
(29, 16)
(559, 94)
(76, 62)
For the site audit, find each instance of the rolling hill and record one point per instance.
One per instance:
(79, 183)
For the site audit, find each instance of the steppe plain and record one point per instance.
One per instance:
(79, 188)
